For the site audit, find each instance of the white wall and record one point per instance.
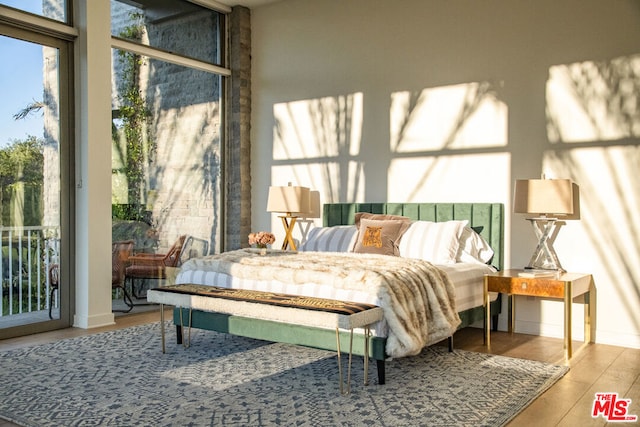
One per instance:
(421, 100)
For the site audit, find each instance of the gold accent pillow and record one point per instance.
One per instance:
(379, 234)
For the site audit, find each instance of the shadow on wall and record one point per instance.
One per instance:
(318, 142)
(593, 124)
(452, 141)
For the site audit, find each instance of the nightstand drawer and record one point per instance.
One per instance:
(508, 282)
(527, 286)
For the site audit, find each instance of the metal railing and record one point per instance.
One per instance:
(27, 253)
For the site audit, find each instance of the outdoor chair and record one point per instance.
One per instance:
(120, 253)
(54, 284)
(153, 266)
(194, 247)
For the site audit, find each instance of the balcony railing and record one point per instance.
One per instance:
(27, 253)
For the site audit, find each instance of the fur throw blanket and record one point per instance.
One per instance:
(417, 298)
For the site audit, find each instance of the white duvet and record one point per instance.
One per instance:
(466, 277)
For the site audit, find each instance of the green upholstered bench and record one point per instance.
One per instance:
(280, 310)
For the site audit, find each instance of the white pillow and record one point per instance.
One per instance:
(473, 247)
(436, 242)
(339, 238)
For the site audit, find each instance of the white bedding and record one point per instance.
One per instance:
(467, 278)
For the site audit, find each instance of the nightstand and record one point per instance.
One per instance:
(565, 286)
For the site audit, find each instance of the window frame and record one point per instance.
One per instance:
(50, 33)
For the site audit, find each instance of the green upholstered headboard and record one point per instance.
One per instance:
(486, 218)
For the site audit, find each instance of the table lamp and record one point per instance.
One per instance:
(306, 220)
(314, 205)
(551, 201)
(292, 201)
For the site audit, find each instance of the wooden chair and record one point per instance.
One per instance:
(120, 253)
(153, 266)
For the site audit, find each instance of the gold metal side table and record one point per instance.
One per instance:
(565, 286)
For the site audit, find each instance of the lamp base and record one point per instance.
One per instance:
(544, 256)
(288, 221)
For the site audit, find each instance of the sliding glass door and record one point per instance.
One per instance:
(34, 203)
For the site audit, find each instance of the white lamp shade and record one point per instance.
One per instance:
(314, 205)
(576, 202)
(548, 197)
(289, 199)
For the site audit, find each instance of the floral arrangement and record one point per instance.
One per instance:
(261, 239)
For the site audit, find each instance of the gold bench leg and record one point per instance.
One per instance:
(162, 326)
(349, 366)
(341, 382)
(186, 343)
(339, 360)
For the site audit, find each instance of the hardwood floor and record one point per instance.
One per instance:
(594, 368)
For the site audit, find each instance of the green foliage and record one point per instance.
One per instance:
(15, 301)
(22, 161)
(20, 263)
(21, 181)
(133, 117)
(131, 212)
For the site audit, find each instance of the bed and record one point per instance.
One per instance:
(481, 223)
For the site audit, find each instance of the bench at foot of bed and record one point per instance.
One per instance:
(275, 317)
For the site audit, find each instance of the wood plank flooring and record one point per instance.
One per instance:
(594, 368)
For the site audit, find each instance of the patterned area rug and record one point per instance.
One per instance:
(121, 378)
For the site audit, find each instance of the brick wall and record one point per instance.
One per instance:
(184, 189)
(238, 167)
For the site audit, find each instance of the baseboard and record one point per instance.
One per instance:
(548, 330)
(96, 321)
(618, 339)
(557, 331)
